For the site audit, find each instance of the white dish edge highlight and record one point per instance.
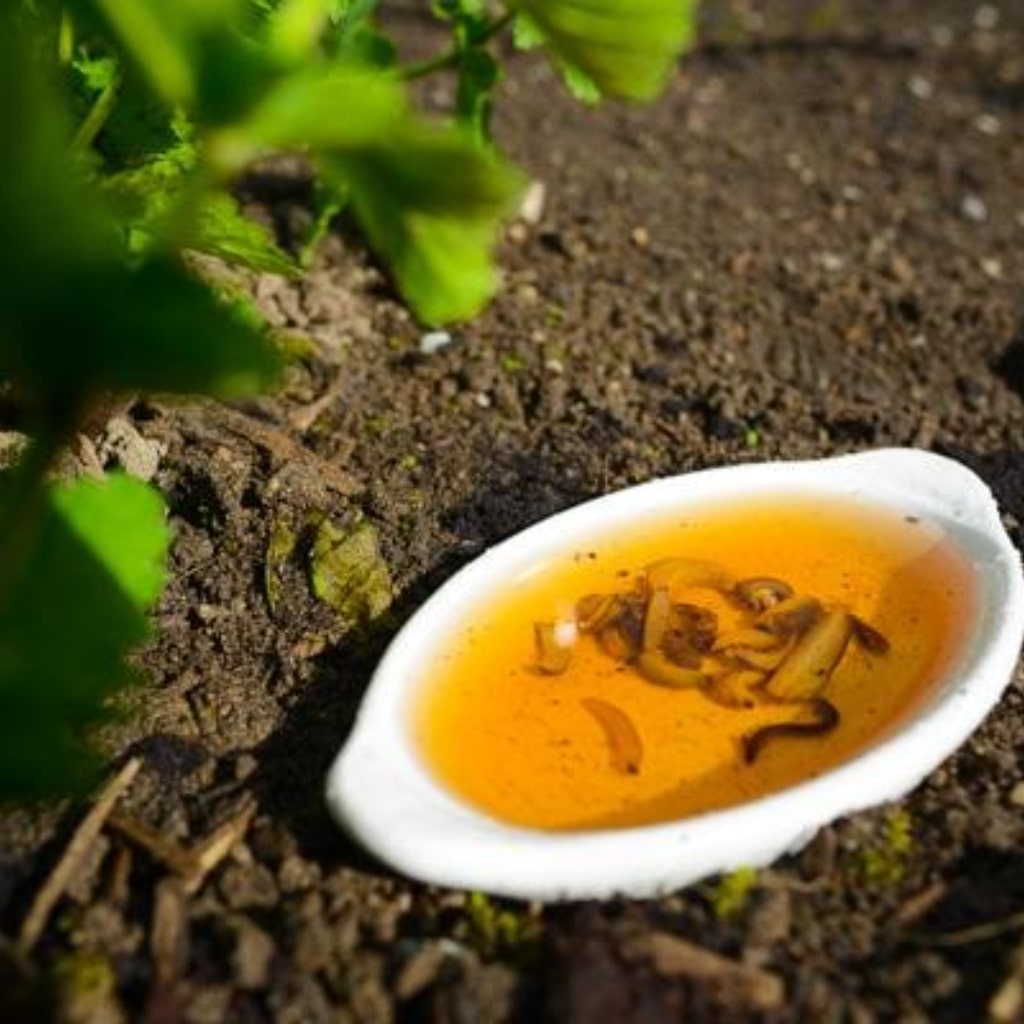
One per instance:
(383, 793)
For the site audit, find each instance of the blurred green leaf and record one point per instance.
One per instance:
(72, 613)
(223, 230)
(296, 27)
(479, 73)
(334, 108)
(626, 49)
(154, 328)
(583, 87)
(158, 39)
(201, 55)
(147, 199)
(75, 318)
(430, 202)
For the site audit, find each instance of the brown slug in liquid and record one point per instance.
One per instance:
(596, 744)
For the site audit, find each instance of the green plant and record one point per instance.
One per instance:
(885, 860)
(125, 125)
(733, 892)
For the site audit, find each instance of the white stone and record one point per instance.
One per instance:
(382, 792)
(920, 87)
(973, 208)
(531, 209)
(986, 17)
(434, 341)
(988, 124)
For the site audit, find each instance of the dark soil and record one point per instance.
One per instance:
(811, 244)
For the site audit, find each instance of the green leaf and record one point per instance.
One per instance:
(296, 27)
(364, 45)
(627, 49)
(74, 610)
(526, 35)
(96, 73)
(335, 108)
(328, 200)
(479, 73)
(455, 10)
(154, 328)
(157, 40)
(160, 206)
(201, 55)
(348, 572)
(584, 88)
(430, 203)
(75, 319)
(223, 230)
(122, 522)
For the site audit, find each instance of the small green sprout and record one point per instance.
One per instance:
(733, 892)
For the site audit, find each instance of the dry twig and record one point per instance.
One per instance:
(81, 842)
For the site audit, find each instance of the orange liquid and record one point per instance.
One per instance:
(521, 746)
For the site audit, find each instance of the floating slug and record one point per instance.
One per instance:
(825, 720)
(625, 748)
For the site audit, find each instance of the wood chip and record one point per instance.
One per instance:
(1007, 1005)
(217, 845)
(168, 939)
(167, 851)
(918, 905)
(81, 842)
(208, 420)
(733, 981)
(191, 864)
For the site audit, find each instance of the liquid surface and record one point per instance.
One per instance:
(536, 750)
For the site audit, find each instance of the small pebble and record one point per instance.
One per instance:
(1017, 795)
(831, 262)
(531, 210)
(483, 399)
(992, 268)
(920, 87)
(986, 17)
(641, 237)
(852, 194)
(987, 124)
(919, 341)
(554, 366)
(434, 341)
(973, 208)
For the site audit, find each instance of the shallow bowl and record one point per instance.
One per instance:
(381, 790)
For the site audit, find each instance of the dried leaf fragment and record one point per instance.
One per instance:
(625, 748)
(348, 572)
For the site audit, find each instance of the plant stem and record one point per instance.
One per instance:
(450, 59)
(97, 116)
(66, 37)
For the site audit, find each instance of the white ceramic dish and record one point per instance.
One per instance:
(383, 793)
